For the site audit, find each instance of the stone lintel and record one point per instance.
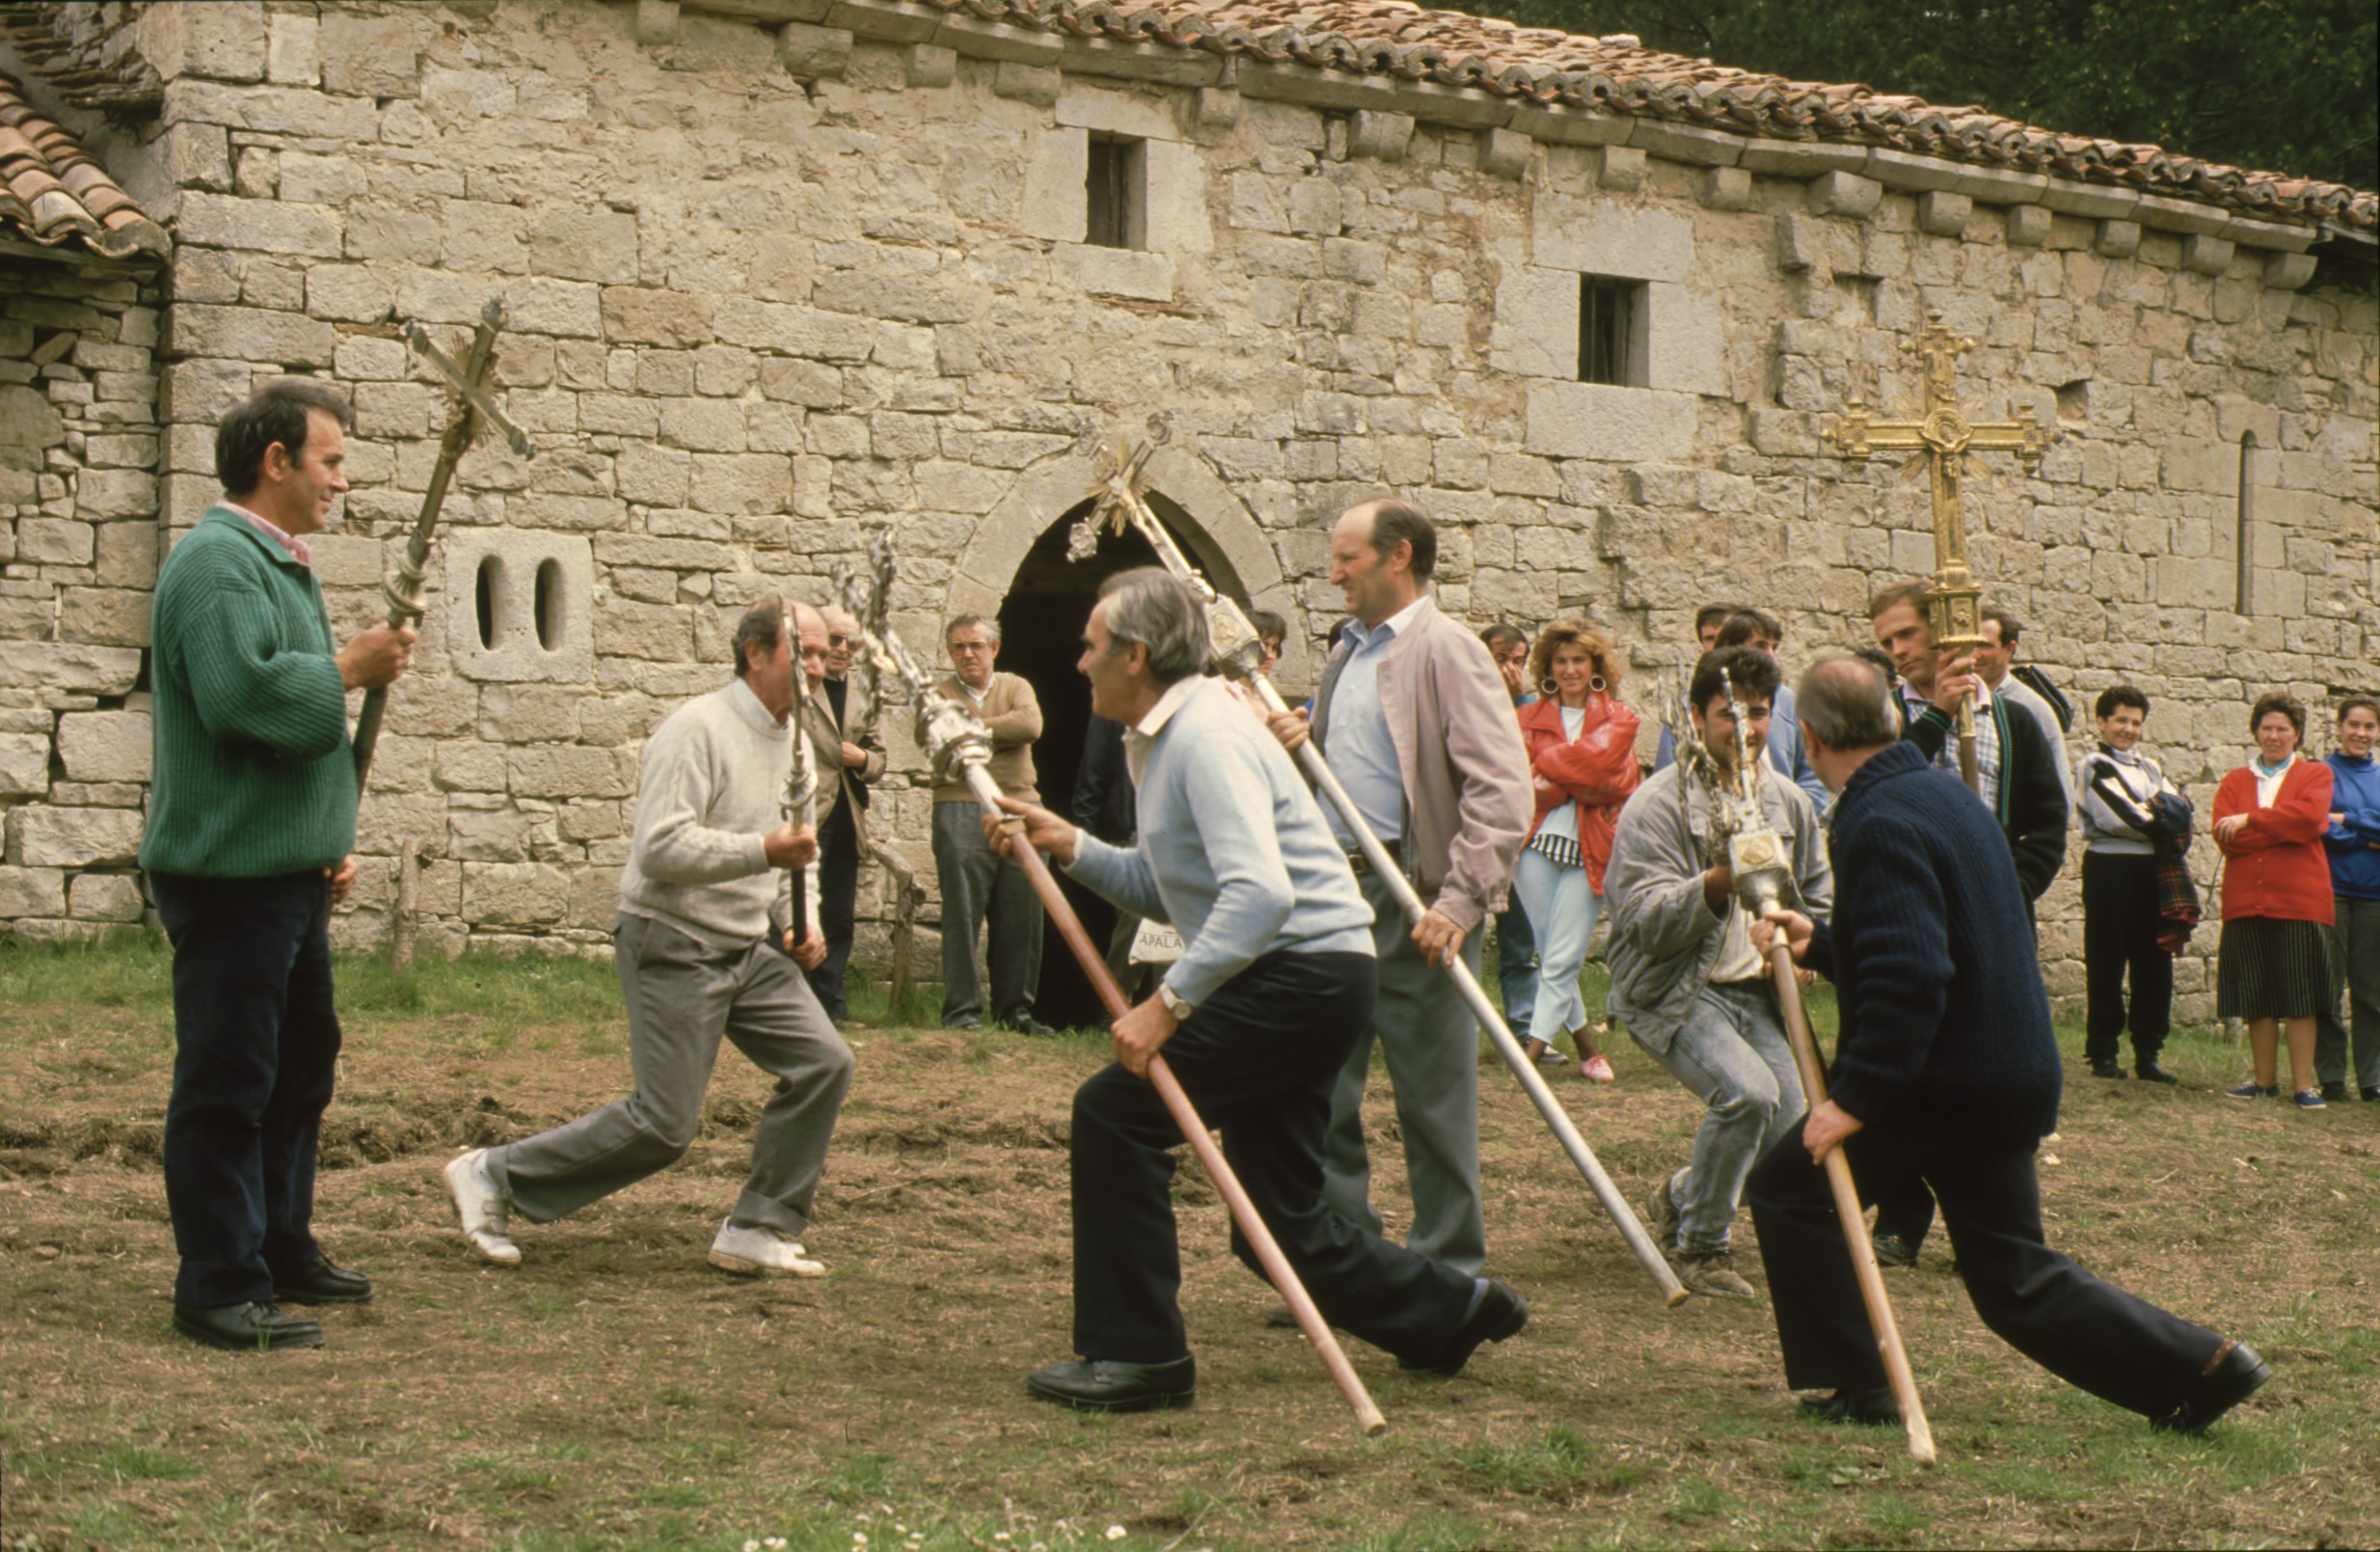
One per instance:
(1141, 62)
(2190, 219)
(887, 22)
(1682, 142)
(1117, 113)
(767, 13)
(1572, 127)
(1801, 158)
(2272, 234)
(1320, 89)
(2093, 202)
(1906, 170)
(1464, 107)
(978, 38)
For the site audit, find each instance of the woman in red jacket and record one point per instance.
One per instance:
(1583, 754)
(2272, 966)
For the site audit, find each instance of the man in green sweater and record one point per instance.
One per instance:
(252, 816)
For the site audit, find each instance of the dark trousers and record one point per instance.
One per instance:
(2355, 993)
(256, 1051)
(980, 887)
(2089, 1333)
(1516, 967)
(1259, 1061)
(2120, 937)
(838, 893)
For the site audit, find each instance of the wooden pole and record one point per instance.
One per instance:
(1186, 1116)
(1854, 1227)
(408, 900)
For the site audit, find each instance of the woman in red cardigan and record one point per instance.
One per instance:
(1583, 756)
(2272, 966)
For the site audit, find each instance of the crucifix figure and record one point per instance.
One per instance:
(1943, 438)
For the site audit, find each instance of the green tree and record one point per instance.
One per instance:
(2284, 85)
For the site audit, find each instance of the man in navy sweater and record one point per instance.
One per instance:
(1946, 1071)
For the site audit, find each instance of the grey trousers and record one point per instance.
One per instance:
(682, 997)
(1733, 1054)
(977, 885)
(2354, 991)
(1432, 1046)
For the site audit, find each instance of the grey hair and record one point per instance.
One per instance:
(763, 626)
(1152, 606)
(992, 628)
(1847, 704)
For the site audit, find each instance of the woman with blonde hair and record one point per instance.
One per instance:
(1583, 758)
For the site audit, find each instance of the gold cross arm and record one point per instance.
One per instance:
(1944, 432)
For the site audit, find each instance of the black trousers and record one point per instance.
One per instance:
(2120, 934)
(838, 893)
(2089, 1333)
(1259, 1061)
(256, 1051)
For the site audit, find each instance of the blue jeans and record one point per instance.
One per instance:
(1516, 967)
(1734, 1057)
(1563, 909)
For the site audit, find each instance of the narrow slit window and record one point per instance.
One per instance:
(1117, 189)
(1611, 331)
(490, 584)
(549, 604)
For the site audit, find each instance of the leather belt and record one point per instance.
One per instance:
(1361, 863)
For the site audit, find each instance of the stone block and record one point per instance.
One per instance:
(2028, 226)
(108, 495)
(1507, 154)
(1683, 143)
(1943, 215)
(31, 891)
(932, 64)
(1537, 328)
(538, 616)
(585, 245)
(353, 293)
(1597, 237)
(528, 713)
(2204, 255)
(24, 765)
(2288, 272)
(1725, 188)
(115, 616)
(196, 155)
(1114, 272)
(2093, 202)
(1218, 111)
(1177, 220)
(2118, 239)
(1684, 340)
(1802, 245)
(1801, 158)
(1378, 136)
(749, 483)
(794, 331)
(293, 50)
(1608, 424)
(69, 667)
(1845, 194)
(375, 56)
(514, 894)
(53, 541)
(810, 52)
(105, 897)
(259, 225)
(225, 42)
(1037, 84)
(1565, 127)
(569, 771)
(555, 307)
(39, 835)
(1621, 169)
(273, 110)
(1057, 171)
(104, 745)
(248, 334)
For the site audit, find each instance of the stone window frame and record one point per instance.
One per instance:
(1175, 219)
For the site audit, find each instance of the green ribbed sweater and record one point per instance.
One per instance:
(253, 775)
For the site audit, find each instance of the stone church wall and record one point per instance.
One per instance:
(769, 289)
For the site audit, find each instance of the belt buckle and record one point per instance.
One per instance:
(1359, 863)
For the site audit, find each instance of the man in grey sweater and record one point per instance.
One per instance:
(703, 900)
(1273, 990)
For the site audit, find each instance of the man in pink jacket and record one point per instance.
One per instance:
(1416, 724)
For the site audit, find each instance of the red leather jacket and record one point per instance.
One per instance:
(1597, 772)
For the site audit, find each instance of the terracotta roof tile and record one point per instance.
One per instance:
(1554, 69)
(53, 192)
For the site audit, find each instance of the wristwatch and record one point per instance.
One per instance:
(1174, 1004)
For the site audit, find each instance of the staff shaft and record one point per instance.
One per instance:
(1854, 1228)
(1185, 1115)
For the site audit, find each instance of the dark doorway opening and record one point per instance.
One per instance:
(1041, 639)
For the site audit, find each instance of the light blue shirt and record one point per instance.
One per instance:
(1231, 849)
(1362, 753)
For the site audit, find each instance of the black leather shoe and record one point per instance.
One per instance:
(1851, 1406)
(2336, 1091)
(1891, 1250)
(2371, 1095)
(1495, 1314)
(2108, 1068)
(1106, 1385)
(2234, 1375)
(319, 1282)
(1025, 1023)
(246, 1327)
(2149, 1072)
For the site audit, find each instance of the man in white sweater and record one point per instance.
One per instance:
(702, 900)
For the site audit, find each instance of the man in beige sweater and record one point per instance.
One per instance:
(977, 884)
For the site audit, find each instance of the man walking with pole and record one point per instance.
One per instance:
(252, 817)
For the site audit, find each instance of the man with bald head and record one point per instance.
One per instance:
(705, 893)
(848, 762)
(1416, 724)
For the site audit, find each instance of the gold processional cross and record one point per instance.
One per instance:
(1944, 438)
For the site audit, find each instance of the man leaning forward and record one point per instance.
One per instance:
(1274, 988)
(705, 879)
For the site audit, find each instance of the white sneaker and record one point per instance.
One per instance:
(761, 1253)
(480, 1202)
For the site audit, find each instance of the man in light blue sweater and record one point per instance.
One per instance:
(703, 901)
(1272, 989)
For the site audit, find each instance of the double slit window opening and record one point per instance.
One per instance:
(495, 604)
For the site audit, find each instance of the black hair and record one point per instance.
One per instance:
(274, 413)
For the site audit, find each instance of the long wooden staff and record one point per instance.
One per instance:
(1847, 1208)
(1237, 653)
(953, 736)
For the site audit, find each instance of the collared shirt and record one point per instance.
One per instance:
(1141, 736)
(2268, 778)
(1987, 740)
(294, 547)
(1361, 753)
(974, 694)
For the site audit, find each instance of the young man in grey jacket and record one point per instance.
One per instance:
(703, 901)
(1685, 978)
(1272, 989)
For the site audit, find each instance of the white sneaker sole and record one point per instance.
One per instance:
(493, 1248)
(746, 1266)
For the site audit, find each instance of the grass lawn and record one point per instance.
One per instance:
(614, 1391)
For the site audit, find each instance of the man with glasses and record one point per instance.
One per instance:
(857, 762)
(976, 884)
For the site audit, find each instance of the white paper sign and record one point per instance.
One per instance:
(1155, 944)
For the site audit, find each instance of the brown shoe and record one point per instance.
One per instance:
(1714, 1276)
